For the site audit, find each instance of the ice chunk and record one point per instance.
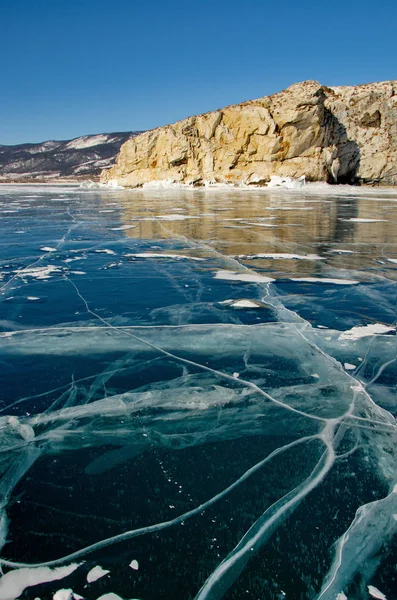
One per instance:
(113, 184)
(161, 184)
(134, 565)
(286, 182)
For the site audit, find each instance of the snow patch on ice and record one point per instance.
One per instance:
(282, 256)
(174, 217)
(349, 367)
(48, 249)
(134, 565)
(361, 331)
(375, 593)
(325, 280)
(69, 260)
(64, 594)
(259, 224)
(244, 277)
(358, 220)
(242, 303)
(159, 255)
(289, 208)
(110, 596)
(123, 227)
(340, 251)
(96, 573)
(14, 583)
(37, 272)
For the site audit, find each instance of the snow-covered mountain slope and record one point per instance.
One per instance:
(81, 158)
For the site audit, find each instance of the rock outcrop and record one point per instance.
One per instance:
(339, 135)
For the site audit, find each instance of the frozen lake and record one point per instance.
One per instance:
(198, 394)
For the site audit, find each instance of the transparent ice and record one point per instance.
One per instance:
(196, 394)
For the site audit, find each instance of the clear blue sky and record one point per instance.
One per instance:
(71, 67)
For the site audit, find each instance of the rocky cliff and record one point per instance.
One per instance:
(81, 158)
(339, 135)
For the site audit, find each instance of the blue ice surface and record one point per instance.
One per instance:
(224, 433)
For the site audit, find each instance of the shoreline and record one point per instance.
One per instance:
(310, 188)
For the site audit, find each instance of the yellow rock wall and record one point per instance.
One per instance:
(344, 134)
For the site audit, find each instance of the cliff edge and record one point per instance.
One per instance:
(338, 134)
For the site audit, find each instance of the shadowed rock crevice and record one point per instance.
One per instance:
(342, 155)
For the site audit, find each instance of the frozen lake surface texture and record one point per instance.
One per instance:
(198, 394)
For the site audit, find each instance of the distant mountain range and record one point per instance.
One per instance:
(72, 160)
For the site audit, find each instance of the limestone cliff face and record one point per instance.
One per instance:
(342, 134)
